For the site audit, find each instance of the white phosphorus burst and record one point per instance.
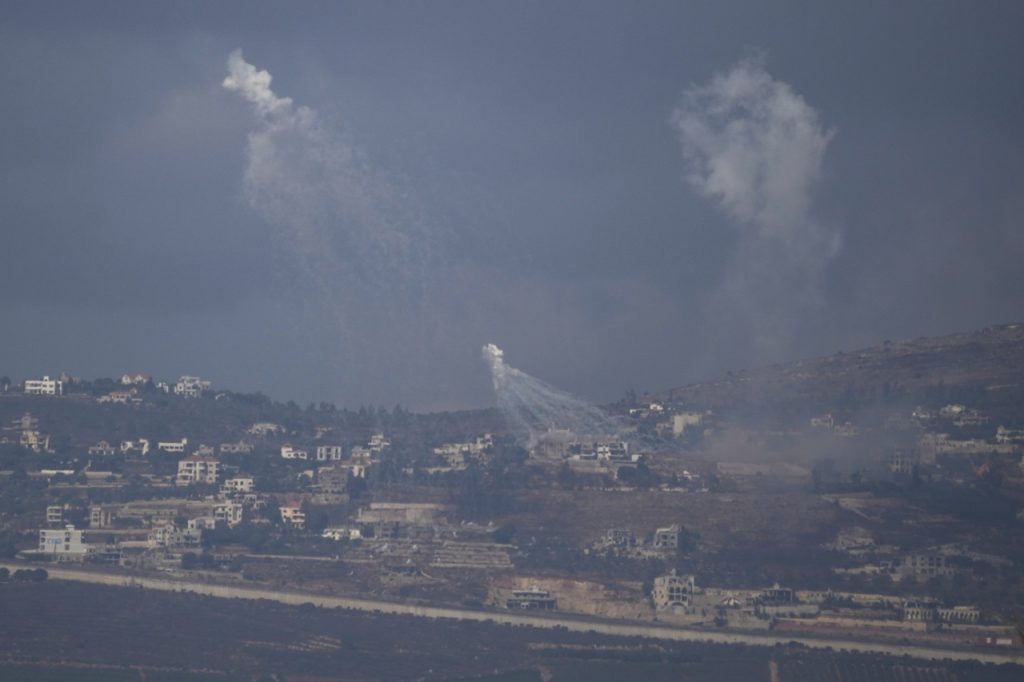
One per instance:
(532, 408)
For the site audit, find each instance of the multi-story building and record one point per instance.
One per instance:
(63, 544)
(292, 452)
(44, 386)
(667, 538)
(102, 516)
(230, 513)
(169, 536)
(191, 387)
(55, 515)
(172, 445)
(672, 591)
(292, 514)
(197, 469)
(328, 452)
(233, 486)
(924, 566)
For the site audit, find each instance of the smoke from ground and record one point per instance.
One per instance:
(532, 407)
(755, 147)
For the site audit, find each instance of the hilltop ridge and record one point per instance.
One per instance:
(991, 359)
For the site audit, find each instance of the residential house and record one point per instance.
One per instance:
(292, 452)
(44, 386)
(328, 452)
(191, 387)
(346, 533)
(235, 486)
(292, 514)
(667, 538)
(230, 513)
(673, 591)
(55, 515)
(139, 445)
(169, 536)
(197, 469)
(172, 446)
(102, 448)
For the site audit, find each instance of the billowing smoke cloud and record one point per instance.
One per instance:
(306, 178)
(755, 147)
(349, 237)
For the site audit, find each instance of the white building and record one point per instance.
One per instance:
(229, 512)
(172, 445)
(197, 469)
(170, 536)
(292, 514)
(139, 445)
(191, 387)
(292, 452)
(202, 523)
(337, 534)
(134, 379)
(328, 452)
(55, 515)
(238, 486)
(239, 448)
(63, 544)
(673, 591)
(44, 386)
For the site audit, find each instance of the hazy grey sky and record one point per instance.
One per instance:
(618, 194)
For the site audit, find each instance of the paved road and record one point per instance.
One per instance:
(615, 628)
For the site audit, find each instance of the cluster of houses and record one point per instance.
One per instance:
(186, 386)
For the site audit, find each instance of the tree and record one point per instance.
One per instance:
(189, 561)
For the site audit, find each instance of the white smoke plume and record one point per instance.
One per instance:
(533, 408)
(347, 233)
(755, 147)
(304, 177)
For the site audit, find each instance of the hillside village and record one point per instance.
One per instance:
(890, 511)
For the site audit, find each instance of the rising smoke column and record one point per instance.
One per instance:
(532, 407)
(755, 147)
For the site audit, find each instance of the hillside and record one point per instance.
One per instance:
(987, 360)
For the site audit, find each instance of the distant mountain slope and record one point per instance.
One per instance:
(991, 358)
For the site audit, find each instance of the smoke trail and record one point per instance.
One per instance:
(350, 233)
(755, 147)
(532, 407)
